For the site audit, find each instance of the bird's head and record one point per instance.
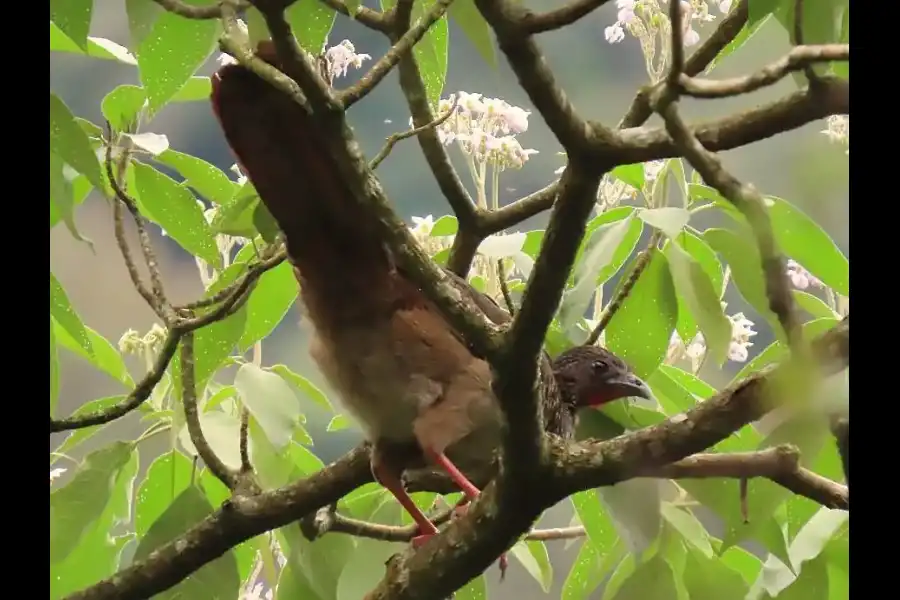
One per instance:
(593, 376)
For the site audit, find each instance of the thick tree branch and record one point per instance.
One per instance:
(189, 11)
(470, 544)
(515, 383)
(793, 111)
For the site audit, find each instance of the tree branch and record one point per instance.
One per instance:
(397, 137)
(368, 17)
(401, 47)
(795, 60)
(470, 544)
(532, 23)
(196, 12)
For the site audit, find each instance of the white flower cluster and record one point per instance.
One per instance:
(485, 129)
(645, 19)
(56, 473)
(838, 130)
(800, 277)
(738, 350)
(132, 343)
(341, 57)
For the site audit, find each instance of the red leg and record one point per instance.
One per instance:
(389, 479)
(469, 490)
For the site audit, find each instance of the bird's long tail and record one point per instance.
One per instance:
(282, 150)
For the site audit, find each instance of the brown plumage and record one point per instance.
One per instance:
(399, 367)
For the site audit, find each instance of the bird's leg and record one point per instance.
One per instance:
(388, 477)
(470, 492)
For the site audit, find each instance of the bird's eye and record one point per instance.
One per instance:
(599, 365)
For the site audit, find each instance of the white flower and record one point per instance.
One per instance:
(741, 332)
(55, 473)
(614, 33)
(225, 59)
(130, 342)
(236, 169)
(800, 277)
(838, 129)
(724, 6)
(697, 348)
(560, 170)
(422, 225)
(626, 10)
(341, 57)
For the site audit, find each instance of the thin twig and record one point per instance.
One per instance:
(397, 137)
(799, 58)
(137, 396)
(640, 263)
(504, 288)
(808, 70)
(366, 16)
(558, 18)
(254, 271)
(380, 69)
(840, 428)
(192, 417)
(155, 298)
(244, 441)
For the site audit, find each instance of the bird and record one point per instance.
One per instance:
(411, 381)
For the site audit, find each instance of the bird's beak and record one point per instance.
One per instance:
(625, 385)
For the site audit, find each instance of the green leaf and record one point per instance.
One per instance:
(707, 578)
(207, 180)
(269, 302)
(598, 525)
(62, 312)
(99, 548)
(216, 579)
(141, 16)
(76, 506)
(71, 143)
(465, 14)
(670, 220)
(474, 590)
(533, 556)
(102, 355)
(73, 17)
(706, 257)
(222, 433)
(690, 382)
(196, 88)
(599, 252)
(700, 297)
(650, 580)
(79, 435)
(311, 22)
(54, 372)
(122, 106)
(742, 255)
(168, 476)
(96, 47)
(803, 240)
(174, 208)
(303, 385)
(339, 422)
(640, 330)
(365, 565)
(634, 507)
(65, 194)
(235, 216)
(431, 52)
(269, 398)
(446, 225)
(814, 306)
(633, 175)
(693, 531)
(172, 51)
(589, 570)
